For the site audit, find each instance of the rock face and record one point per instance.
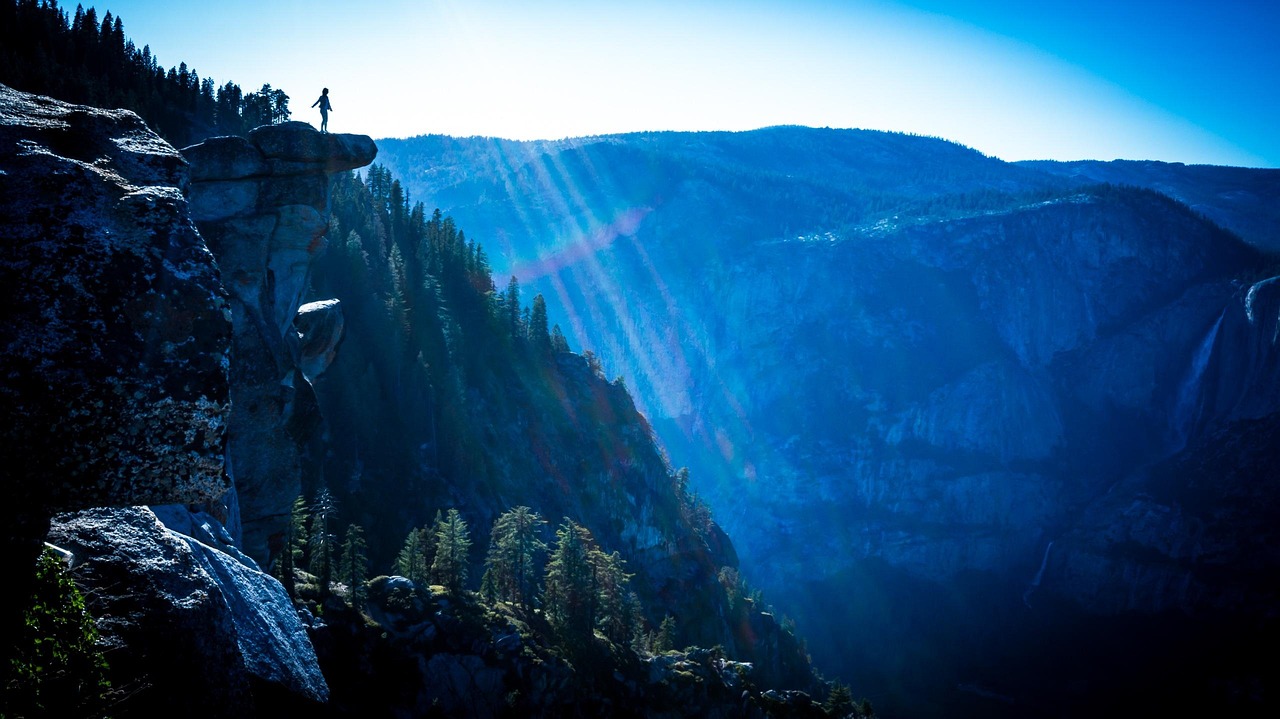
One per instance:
(1197, 530)
(188, 628)
(113, 369)
(119, 347)
(261, 204)
(116, 331)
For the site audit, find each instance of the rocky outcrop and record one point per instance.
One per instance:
(319, 326)
(460, 658)
(114, 347)
(261, 202)
(121, 345)
(188, 628)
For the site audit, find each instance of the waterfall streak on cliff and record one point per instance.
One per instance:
(1184, 412)
(1035, 583)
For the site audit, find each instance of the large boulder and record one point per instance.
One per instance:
(319, 326)
(189, 629)
(262, 203)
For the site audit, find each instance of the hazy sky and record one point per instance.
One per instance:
(1195, 81)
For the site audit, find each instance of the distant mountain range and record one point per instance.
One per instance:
(1238, 198)
(929, 393)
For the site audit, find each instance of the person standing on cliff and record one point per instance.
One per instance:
(325, 107)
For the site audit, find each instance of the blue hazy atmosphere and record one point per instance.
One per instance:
(760, 359)
(1183, 82)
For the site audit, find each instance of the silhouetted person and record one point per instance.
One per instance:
(325, 107)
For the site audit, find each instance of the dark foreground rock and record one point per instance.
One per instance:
(419, 651)
(118, 373)
(113, 372)
(116, 331)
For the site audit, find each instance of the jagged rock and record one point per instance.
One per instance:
(188, 628)
(114, 347)
(202, 527)
(262, 204)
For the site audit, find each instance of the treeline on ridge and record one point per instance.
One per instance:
(81, 59)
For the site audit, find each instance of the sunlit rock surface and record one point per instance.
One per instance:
(187, 627)
(261, 202)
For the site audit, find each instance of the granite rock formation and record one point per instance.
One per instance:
(320, 325)
(113, 375)
(1196, 530)
(188, 627)
(121, 347)
(261, 203)
(116, 335)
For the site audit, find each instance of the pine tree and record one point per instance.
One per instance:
(558, 342)
(279, 106)
(353, 564)
(593, 363)
(569, 592)
(320, 544)
(453, 539)
(414, 560)
(539, 338)
(293, 553)
(666, 638)
(840, 702)
(510, 571)
(511, 307)
(618, 608)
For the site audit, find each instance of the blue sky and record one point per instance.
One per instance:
(1195, 82)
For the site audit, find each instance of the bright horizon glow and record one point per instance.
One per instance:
(564, 68)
